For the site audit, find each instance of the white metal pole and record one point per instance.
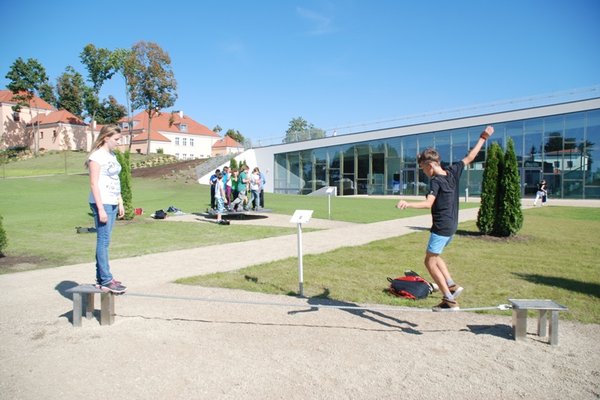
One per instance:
(329, 205)
(300, 272)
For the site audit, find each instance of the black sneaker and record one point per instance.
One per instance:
(455, 290)
(447, 305)
(112, 287)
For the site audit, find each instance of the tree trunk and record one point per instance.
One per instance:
(149, 126)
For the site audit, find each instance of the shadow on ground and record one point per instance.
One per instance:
(372, 315)
(589, 288)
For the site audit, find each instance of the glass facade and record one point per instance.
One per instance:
(562, 149)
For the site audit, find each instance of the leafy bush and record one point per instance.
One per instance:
(3, 238)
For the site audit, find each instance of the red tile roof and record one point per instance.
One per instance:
(227, 141)
(6, 96)
(61, 116)
(166, 122)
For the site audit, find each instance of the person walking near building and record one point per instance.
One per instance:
(442, 199)
(227, 186)
(213, 181)
(255, 189)
(220, 199)
(542, 193)
(242, 188)
(105, 201)
(263, 181)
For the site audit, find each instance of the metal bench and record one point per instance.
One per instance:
(519, 318)
(107, 304)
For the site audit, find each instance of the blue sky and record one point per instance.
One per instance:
(254, 65)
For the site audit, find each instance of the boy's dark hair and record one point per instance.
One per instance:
(428, 155)
(219, 175)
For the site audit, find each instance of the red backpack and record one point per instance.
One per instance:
(410, 287)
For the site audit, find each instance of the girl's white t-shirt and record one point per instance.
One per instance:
(108, 181)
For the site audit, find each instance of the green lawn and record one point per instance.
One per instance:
(551, 258)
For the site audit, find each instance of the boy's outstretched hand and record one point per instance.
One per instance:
(402, 204)
(488, 131)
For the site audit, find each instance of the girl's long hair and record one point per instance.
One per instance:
(106, 132)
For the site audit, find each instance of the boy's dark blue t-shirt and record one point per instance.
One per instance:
(444, 211)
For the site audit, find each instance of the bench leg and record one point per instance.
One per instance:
(554, 328)
(89, 307)
(77, 306)
(107, 310)
(519, 322)
(542, 323)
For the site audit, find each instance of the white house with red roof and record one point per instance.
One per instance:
(226, 146)
(172, 133)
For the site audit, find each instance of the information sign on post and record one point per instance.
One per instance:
(331, 191)
(300, 217)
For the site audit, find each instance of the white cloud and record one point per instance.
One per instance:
(320, 24)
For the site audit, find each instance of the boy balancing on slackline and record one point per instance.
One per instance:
(442, 199)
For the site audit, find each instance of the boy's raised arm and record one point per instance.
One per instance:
(489, 131)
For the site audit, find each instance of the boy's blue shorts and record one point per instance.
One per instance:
(437, 243)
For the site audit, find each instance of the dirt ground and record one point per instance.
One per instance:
(187, 342)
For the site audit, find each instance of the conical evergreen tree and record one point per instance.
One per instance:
(487, 213)
(125, 177)
(3, 238)
(510, 215)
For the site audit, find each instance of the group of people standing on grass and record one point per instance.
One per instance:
(236, 190)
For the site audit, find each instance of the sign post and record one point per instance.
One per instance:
(300, 217)
(331, 190)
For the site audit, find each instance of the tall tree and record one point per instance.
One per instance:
(123, 63)
(153, 82)
(300, 129)
(47, 94)
(72, 91)
(486, 216)
(236, 135)
(27, 78)
(110, 111)
(509, 218)
(100, 68)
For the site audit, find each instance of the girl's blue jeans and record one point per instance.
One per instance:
(103, 232)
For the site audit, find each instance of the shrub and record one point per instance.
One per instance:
(3, 238)
(125, 178)
(509, 217)
(486, 215)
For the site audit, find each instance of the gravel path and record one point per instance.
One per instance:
(174, 348)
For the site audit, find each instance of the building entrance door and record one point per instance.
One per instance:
(409, 183)
(530, 177)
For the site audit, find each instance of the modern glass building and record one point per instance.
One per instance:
(559, 143)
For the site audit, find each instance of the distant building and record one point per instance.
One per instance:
(60, 130)
(225, 146)
(171, 133)
(558, 142)
(43, 127)
(15, 128)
